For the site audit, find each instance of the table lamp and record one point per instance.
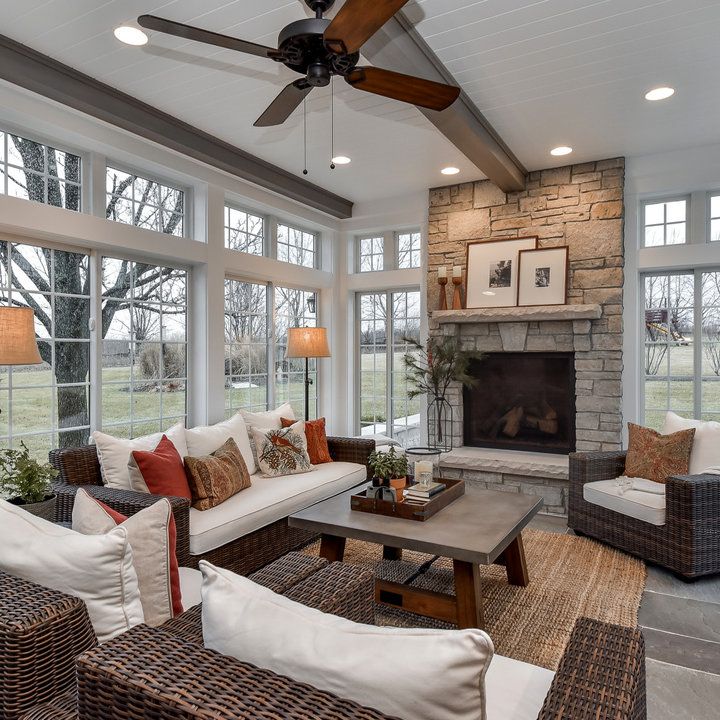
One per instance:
(17, 337)
(307, 342)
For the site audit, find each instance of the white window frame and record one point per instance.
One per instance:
(664, 200)
(7, 129)
(398, 233)
(359, 255)
(267, 222)
(391, 249)
(709, 216)
(317, 243)
(187, 191)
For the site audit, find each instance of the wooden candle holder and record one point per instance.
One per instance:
(442, 282)
(457, 303)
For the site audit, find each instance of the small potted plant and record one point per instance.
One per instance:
(389, 469)
(398, 479)
(27, 483)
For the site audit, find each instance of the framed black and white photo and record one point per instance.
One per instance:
(492, 271)
(543, 276)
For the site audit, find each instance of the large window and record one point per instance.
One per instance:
(246, 346)
(682, 345)
(144, 202)
(715, 218)
(46, 406)
(386, 319)
(665, 222)
(296, 246)
(38, 172)
(371, 254)
(144, 352)
(244, 231)
(408, 249)
(257, 372)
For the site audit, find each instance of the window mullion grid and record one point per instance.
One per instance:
(697, 345)
(389, 345)
(271, 319)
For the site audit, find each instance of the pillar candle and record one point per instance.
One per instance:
(457, 271)
(442, 272)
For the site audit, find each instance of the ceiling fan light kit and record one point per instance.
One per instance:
(318, 49)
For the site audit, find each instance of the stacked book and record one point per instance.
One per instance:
(421, 494)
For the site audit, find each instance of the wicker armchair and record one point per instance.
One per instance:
(79, 467)
(688, 543)
(42, 632)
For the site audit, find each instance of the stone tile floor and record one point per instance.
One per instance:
(681, 624)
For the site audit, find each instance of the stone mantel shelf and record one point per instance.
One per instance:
(518, 314)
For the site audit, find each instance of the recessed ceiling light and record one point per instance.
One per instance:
(562, 150)
(341, 160)
(659, 93)
(450, 170)
(130, 35)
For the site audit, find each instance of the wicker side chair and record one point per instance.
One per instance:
(688, 543)
(148, 673)
(79, 467)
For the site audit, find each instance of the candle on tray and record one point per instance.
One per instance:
(423, 472)
(457, 271)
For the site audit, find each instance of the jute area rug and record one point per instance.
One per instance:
(570, 577)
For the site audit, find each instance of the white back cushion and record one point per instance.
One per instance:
(206, 439)
(443, 670)
(114, 455)
(148, 536)
(269, 419)
(705, 455)
(98, 569)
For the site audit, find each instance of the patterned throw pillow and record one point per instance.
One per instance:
(282, 451)
(657, 457)
(215, 478)
(316, 440)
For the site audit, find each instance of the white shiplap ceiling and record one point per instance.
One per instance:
(544, 72)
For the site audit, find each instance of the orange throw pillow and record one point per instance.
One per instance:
(657, 457)
(317, 443)
(162, 469)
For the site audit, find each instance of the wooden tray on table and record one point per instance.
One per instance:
(454, 489)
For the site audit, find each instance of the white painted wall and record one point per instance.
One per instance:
(693, 172)
(99, 143)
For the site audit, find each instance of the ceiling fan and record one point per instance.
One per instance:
(319, 48)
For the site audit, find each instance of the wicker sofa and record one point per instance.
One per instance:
(52, 668)
(689, 541)
(80, 467)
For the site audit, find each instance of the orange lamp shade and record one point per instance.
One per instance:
(311, 342)
(17, 337)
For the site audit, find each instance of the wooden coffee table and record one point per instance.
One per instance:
(480, 528)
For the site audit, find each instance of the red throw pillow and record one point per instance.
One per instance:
(175, 593)
(317, 443)
(162, 469)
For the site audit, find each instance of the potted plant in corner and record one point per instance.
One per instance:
(430, 371)
(27, 483)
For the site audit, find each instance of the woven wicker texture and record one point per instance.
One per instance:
(570, 577)
(149, 673)
(63, 707)
(688, 543)
(41, 633)
(80, 466)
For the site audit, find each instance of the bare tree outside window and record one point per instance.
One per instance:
(296, 246)
(244, 231)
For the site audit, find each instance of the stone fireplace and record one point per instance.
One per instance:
(507, 439)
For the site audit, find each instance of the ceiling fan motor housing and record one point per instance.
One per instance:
(303, 50)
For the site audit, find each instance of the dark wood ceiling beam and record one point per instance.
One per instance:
(398, 46)
(39, 73)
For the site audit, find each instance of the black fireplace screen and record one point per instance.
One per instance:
(523, 401)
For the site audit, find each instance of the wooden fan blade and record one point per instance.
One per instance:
(283, 105)
(406, 88)
(356, 22)
(170, 27)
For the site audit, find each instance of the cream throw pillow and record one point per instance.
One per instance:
(282, 451)
(205, 440)
(705, 453)
(443, 670)
(147, 533)
(114, 455)
(98, 569)
(269, 419)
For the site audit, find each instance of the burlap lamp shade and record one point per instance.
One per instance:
(307, 342)
(17, 337)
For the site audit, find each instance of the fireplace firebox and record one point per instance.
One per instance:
(522, 401)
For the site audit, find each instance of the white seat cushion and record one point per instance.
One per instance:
(268, 500)
(515, 690)
(190, 586)
(646, 500)
(705, 455)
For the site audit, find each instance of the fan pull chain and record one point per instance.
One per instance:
(332, 123)
(305, 170)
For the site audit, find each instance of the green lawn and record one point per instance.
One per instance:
(374, 387)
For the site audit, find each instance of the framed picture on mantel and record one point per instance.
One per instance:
(543, 276)
(492, 271)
